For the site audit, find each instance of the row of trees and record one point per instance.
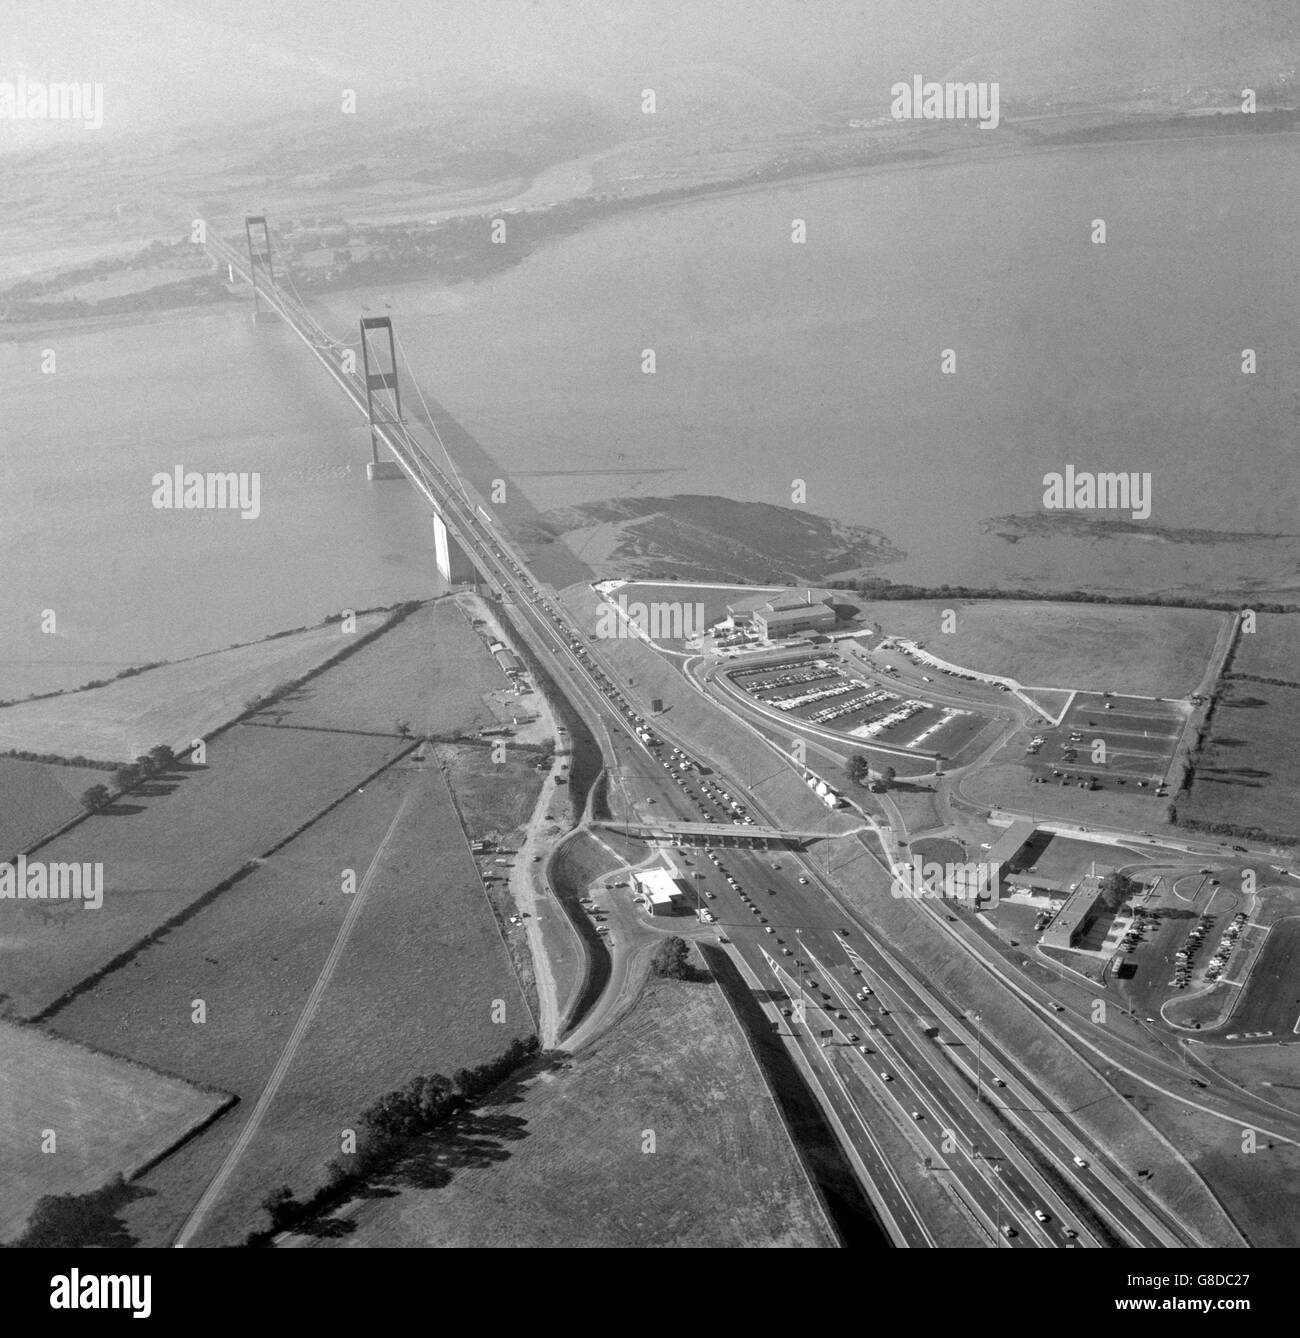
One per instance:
(157, 760)
(881, 588)
(388, 1125)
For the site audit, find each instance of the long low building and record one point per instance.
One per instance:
(508, 660)
(1005, 849)
(1074, 918)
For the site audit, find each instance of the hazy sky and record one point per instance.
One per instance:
(175, 61)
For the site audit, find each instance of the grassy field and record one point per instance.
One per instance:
(1157, 652)
(412, 993)
(36, 798)
(173, 704)
(430, 671)
(171, 842)
(572, 1168)
(1249, 772)
(108, 1117)
(1272, 650)
(493, 797)
(495, 801)
(1253, 1065)
(1260, 1189)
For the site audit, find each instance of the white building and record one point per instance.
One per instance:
(658, 892)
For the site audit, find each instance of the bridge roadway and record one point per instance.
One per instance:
(720, 832)
(545, 625)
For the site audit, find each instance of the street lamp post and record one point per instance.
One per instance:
(979, 1049)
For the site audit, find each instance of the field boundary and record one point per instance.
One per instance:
(399, 614)
(205, 899)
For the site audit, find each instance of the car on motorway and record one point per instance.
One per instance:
(1041, 1215)
(886, 1077)
(1070, 1233)
(865, 1050)
(916, 1115)
(853, 1038)
(998, 1082)
(1009, 1231)
(1079, 1161)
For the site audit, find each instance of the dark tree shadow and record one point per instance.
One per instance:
(71, 1221)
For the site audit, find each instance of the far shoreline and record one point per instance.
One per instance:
(905, 161)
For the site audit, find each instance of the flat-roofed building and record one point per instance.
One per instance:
(1079, 911)
(1004, 850)
(658, 892)
(792, 613)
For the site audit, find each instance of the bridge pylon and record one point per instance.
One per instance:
(260, 259)
(383, 394)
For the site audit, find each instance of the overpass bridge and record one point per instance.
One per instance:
(716, 833)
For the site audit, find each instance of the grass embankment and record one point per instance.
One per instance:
(662, 1133)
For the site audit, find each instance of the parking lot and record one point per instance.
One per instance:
(824, 691)
(1137, 738)
(1193, 933)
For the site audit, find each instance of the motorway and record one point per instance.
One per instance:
(935, 1080)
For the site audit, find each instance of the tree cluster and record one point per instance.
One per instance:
(672, 959)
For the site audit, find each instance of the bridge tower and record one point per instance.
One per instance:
(259, 258)
(382, 392)
(384, 405)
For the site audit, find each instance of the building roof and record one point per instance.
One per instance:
(1008, 845)
(658, 884)
(764, 600)
(1078, 907)
(795, 599)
